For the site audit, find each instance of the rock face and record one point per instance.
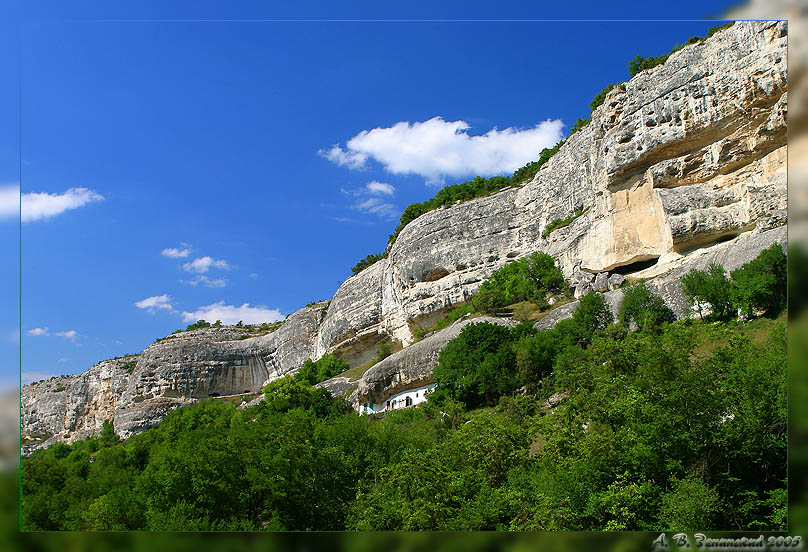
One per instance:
(74, 407)
(136, 392)
(683, 164)
(680, 157)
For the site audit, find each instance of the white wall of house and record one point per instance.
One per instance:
(405, 399)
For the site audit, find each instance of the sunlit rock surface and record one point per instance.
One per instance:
(683, 165)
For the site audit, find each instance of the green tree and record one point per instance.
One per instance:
(287, 393)
(591, 315)
(535, 356)
(325, 367)
(691, 505)
(646, 310)
(760, 285)
(477, 366)
(108, 437)
(711, 287)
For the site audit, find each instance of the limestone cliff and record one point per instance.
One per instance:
(682, 156)
(683, 163)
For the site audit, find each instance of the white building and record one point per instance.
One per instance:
(405, 399)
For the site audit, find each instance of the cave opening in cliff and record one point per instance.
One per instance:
(636, 266)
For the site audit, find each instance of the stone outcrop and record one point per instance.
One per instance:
(683, 164)
(135, 392)
(412, 367)
(73, 407)
(682, 156)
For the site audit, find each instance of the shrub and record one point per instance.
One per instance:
(324, 368)
(472, 189)
(644, 308)
(600, 97)
(527, 172)
(690, 506)
(561, 223)
(129, 367)
(382, 352)
(761, 283)
(198, 325)
(640, 63)
(528, 279)
(591, 315)
(579, 124)
(367, 261)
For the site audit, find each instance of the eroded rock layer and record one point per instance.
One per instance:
(682, 163)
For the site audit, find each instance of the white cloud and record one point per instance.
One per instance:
(61, 360)
(40, 206)
(230, 314)
(380, 188)
(253, 275)
(436, 148)
(175, 253)
(352, 160)
(155, 302)
(38, 331)
(376, 206)
(15, 336)
(205, 281)
(203, 264)
(69, 334)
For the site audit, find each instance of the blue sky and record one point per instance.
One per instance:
(237, 170)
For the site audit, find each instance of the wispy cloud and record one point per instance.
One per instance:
(155, 302)
(175, 252)
(203, 264)
(376, 206)
(42, 206)
(371, 203)
(38, 332)
(435, 149)
(382, 188)
(69, 334)
(230, 314)
(371, 188)
(350, 159)
(205, 281)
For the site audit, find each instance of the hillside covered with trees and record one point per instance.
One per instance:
(633, 423)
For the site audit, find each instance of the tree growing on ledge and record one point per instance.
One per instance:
(367, 261)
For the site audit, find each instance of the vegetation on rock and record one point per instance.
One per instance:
(367, 261)
(530, 278)
(759, 285)
(327, 366)
(555, 224)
